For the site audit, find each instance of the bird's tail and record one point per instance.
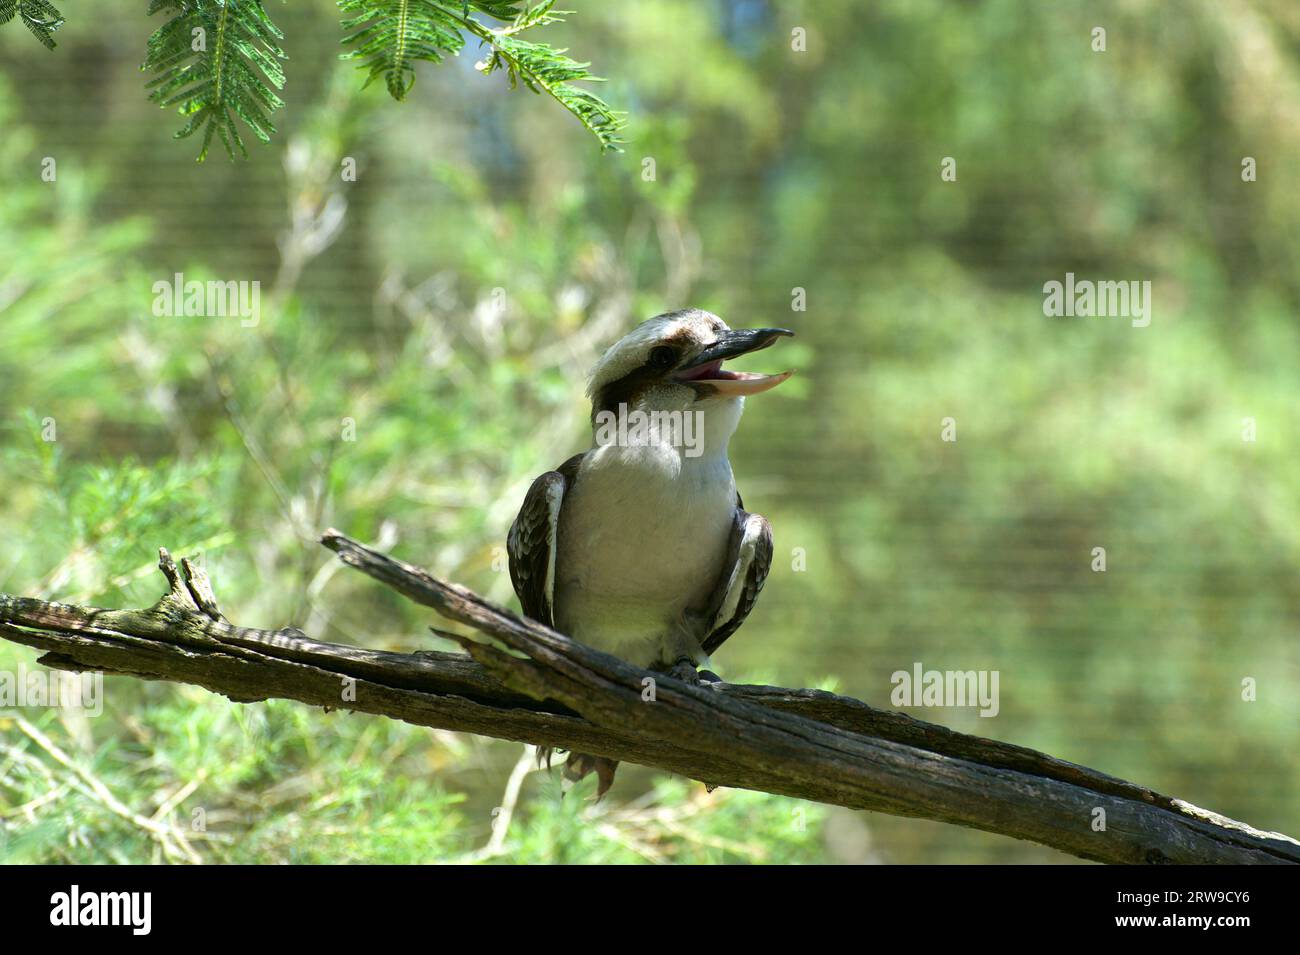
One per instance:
(581, 765)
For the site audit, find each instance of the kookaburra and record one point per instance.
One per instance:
(641, 546)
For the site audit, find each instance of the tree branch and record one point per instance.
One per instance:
(546, 689)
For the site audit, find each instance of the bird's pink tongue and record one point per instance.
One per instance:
(746, 383)
(729, 382)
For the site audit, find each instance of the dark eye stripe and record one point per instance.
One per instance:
(628, 388)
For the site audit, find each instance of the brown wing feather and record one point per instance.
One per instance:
(531, 544)
(749, 558)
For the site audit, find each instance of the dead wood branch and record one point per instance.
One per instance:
(540, 687)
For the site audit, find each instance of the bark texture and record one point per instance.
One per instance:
(537, 686)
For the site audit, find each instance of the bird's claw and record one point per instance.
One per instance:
(685, 671)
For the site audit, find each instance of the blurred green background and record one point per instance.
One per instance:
(449, 301)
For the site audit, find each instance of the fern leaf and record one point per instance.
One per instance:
(39, 16)
(392, 34)
(217, 61)
(544, 69)
(389, 36)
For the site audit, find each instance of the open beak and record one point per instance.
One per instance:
(706, 367)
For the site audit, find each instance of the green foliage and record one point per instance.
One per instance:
(391, 35)
(270, 788)
(677, 822)
(544, 69)
(277, 782)
(39, 16)
(216, 60)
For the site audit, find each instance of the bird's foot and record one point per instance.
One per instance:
(685, 671)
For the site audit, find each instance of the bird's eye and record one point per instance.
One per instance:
(662, 357)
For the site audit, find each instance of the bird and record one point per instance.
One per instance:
(641, 546)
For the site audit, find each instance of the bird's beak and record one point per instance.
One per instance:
(706, 367)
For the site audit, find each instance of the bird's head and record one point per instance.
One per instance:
(674, 362)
